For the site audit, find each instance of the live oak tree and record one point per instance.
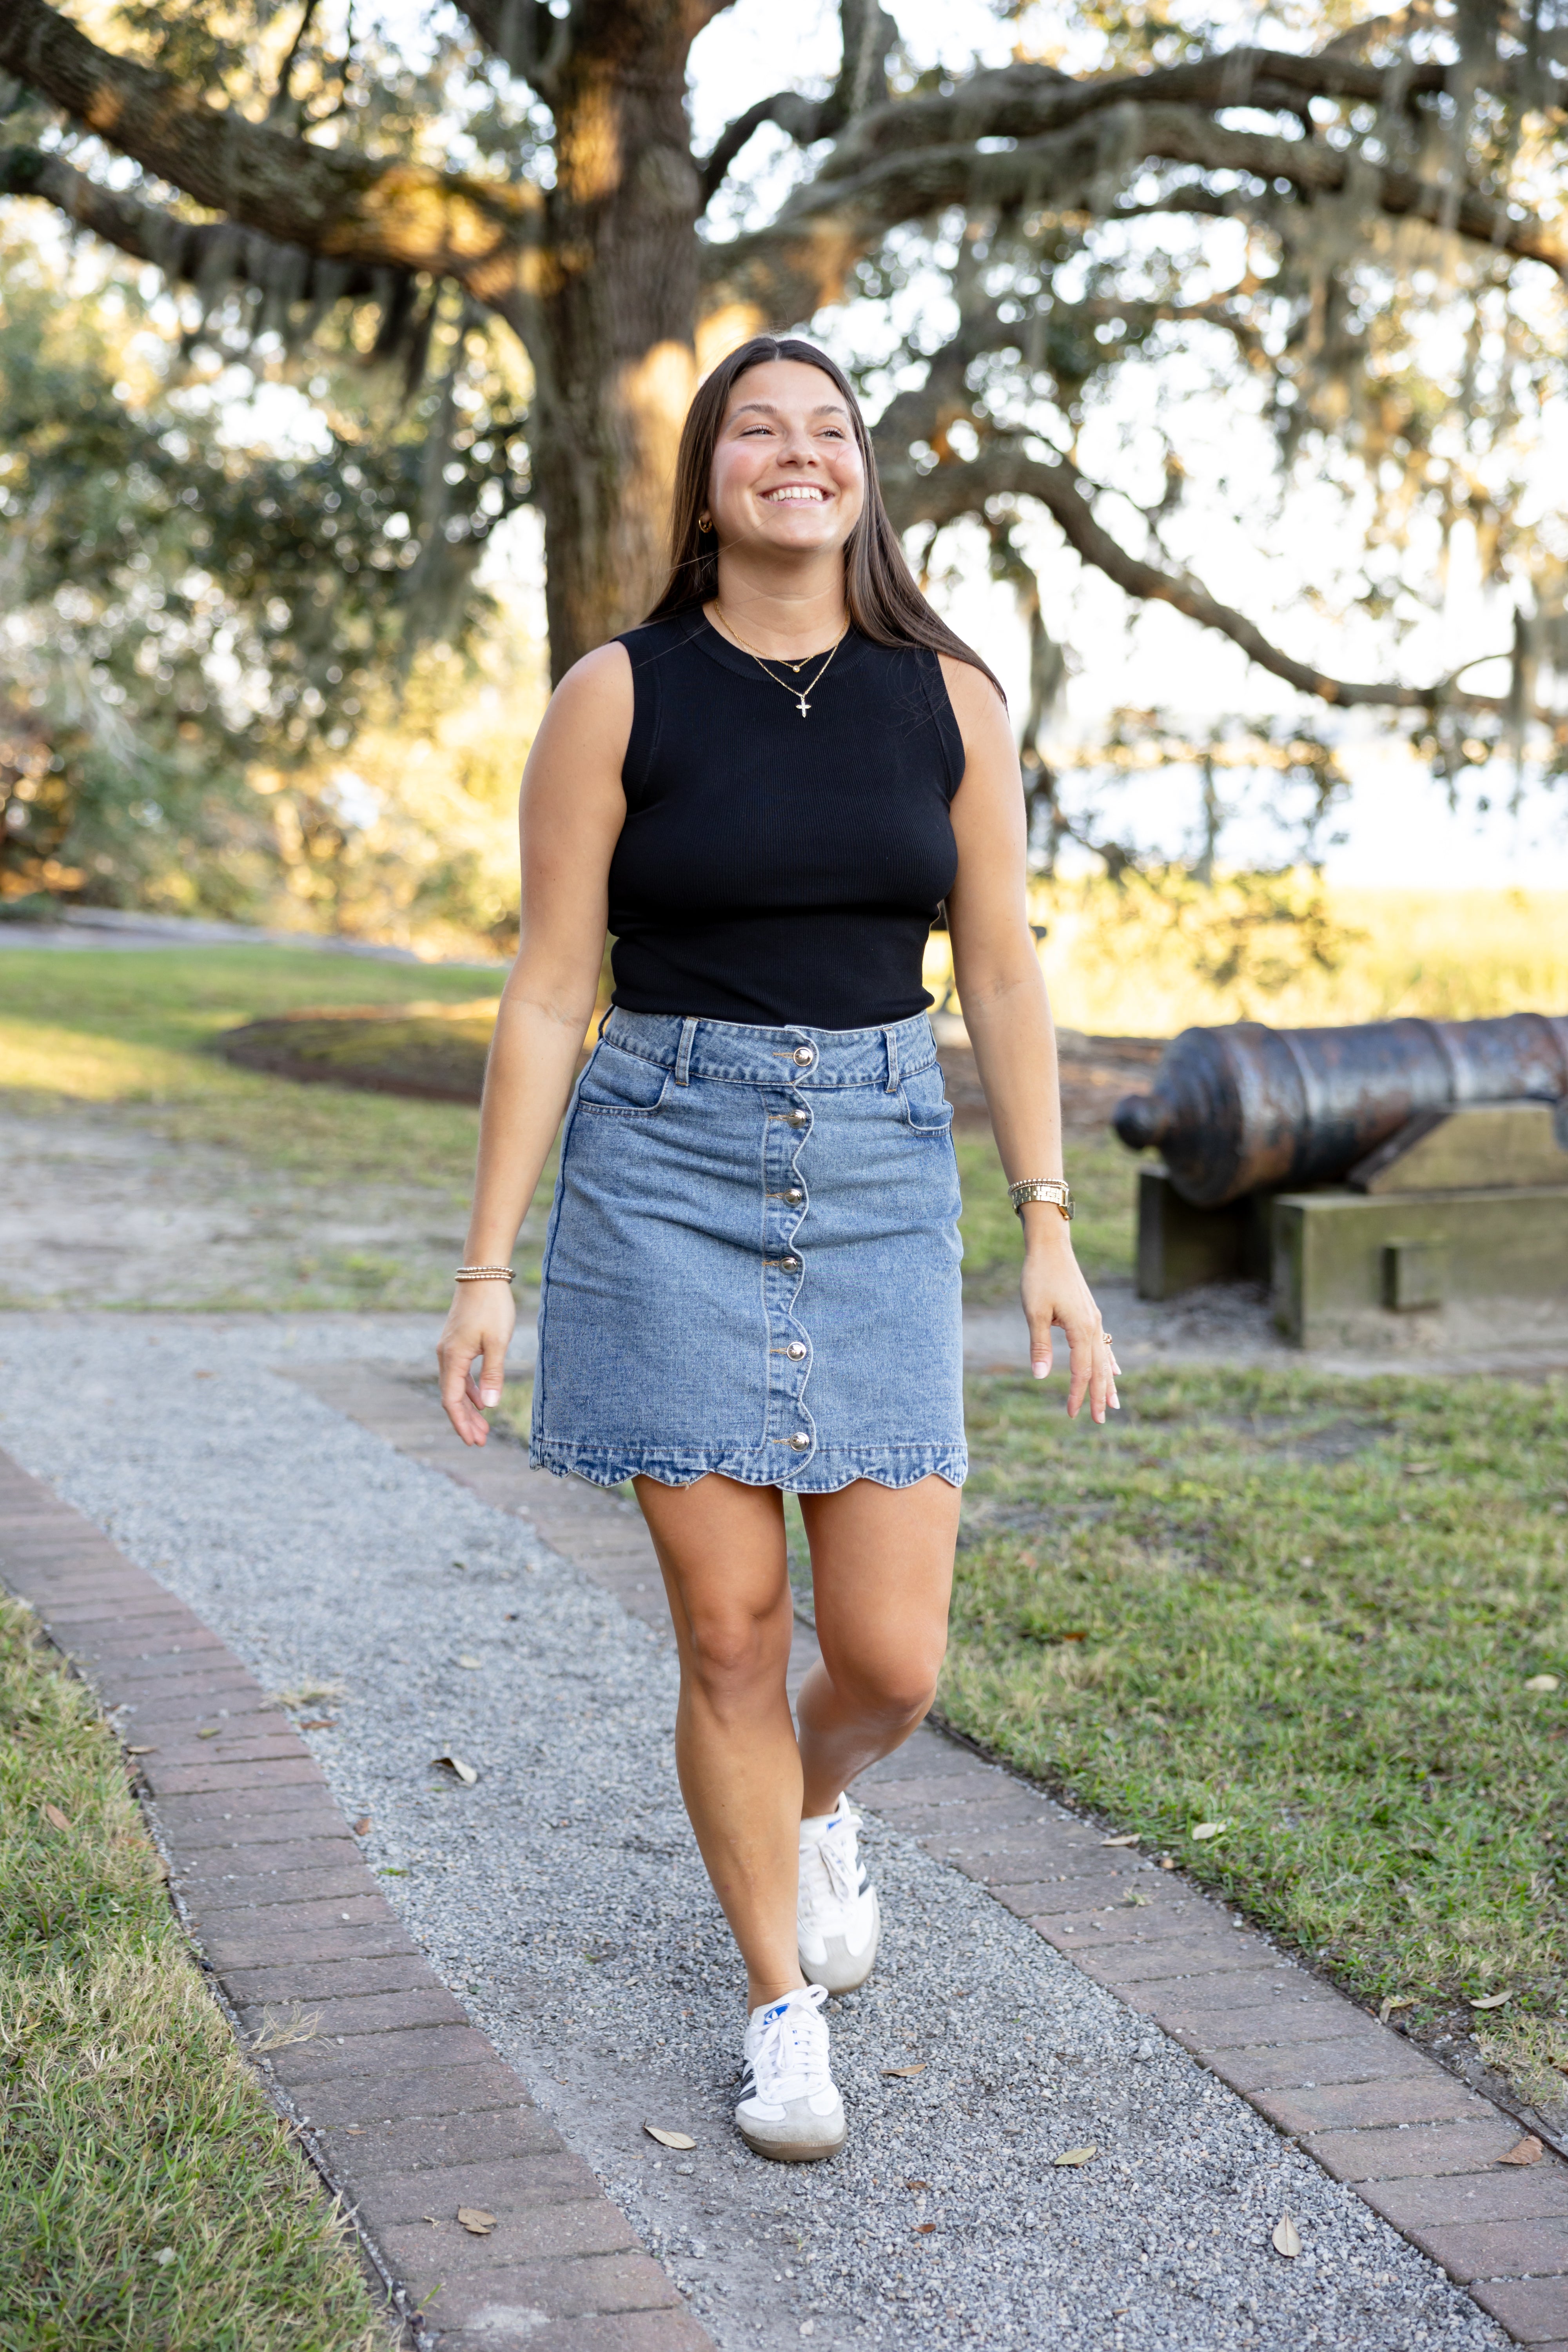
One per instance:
(1357, 229)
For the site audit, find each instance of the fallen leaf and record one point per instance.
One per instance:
(669, 2138)
(917, 2184)
(465, 1772)
(160, 1871)
(1492, 2000)
(1208, 1829)
(163, 2257)
(1287, 2238)
(1525, 2151)
(476, 2221)
(1543, 1682)
(1394, 2000)
(1420, 1469)
(141, 1752)
(1131, 1839)
(1134, 1897)
(54, 1816)
(924, 2229)
(474, 1666)
(1165, 1863)
(208, 1731)
(906, 2070)
(361, 1826)
(1074, 2156)
(318, 1723)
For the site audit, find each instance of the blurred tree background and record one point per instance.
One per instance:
(300, 305)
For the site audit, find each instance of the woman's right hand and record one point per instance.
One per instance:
(479, 1325)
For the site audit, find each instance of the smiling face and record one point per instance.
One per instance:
(787, 475)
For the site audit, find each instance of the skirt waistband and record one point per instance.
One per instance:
(792, 1057)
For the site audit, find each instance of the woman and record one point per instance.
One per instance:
(751, 1275)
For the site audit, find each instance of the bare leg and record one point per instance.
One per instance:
(881, 1565)
(721, 1547)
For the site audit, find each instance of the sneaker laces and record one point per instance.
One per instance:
(789, 2057)
(836, 1847)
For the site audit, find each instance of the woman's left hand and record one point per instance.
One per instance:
(1055, 1292)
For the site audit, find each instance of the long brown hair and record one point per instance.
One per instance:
(879, 590)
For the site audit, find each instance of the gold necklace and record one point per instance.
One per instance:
(799, 692)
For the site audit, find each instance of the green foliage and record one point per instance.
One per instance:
(185, 603)
(150, 2198)
(1308, 1608)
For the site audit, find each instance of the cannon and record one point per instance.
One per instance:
(1367, 1172)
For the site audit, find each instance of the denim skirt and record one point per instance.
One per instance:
(753, 1261)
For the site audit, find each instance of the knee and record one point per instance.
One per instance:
(891, 1691)
(732, 1653)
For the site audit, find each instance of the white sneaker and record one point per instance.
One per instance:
(789, 2108)
(838, 1920)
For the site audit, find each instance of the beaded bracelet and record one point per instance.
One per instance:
(485, 1274)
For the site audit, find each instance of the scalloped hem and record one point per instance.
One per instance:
(829, 1470)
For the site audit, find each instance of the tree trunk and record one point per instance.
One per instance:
(609, 329)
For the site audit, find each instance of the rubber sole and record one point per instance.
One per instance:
(840, 1971)
(790, 2151)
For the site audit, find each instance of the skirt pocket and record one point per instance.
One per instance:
(621, 1085)
(926, 1108)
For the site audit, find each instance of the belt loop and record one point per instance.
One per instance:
(890, 1039)
(683, 1059)
(604, 1017)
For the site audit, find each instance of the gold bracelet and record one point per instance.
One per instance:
(485, 1274)
(1053, 1189)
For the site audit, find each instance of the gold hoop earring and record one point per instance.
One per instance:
(705, 523)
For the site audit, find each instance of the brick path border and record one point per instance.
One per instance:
(1375, 2110)
(400, 2103)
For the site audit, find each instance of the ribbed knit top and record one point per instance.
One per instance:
(775, 869)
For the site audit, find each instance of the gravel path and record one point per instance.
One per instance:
(563, 1898)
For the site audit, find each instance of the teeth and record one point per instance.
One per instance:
(795, 498)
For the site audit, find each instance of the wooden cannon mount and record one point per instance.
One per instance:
(1433, 1214)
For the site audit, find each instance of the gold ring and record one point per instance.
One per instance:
(1106, 1337)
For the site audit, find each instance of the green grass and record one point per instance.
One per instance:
(1104, 1179)
(150, 2198)
(1307, 1608)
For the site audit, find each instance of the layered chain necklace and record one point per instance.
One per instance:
(800, 693)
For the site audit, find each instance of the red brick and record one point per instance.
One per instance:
(1533, 2311)
(1123, 1923)
(199, 1780)
(263, 1946)
(398, 2049)
(188, 1638)
(594, 2282)
(565, 2230)
(215, 1867)
(170, 1714)
(1435, 2099)
(211, 1898)
(1497, 2250)
(1322, 2018)
(505, 2185)
(238, 1746)
(386, 2098)
(674, 2330)
(313, 1981)
(1421, 2148)
(1371, 2056)
(375, 2012)
(1188, 1964)
(1039, 1899)
(1511, 2192)
(426, 2144)
(238, 1816)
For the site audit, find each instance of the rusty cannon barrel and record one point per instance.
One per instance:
(1252, 1109)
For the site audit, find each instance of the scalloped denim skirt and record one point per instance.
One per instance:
(753, 1261)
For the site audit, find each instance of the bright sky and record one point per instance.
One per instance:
(1398, 826)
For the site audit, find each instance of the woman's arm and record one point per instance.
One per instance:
(569, 818)
(1008, 1017)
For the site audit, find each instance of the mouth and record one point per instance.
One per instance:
(796, 494)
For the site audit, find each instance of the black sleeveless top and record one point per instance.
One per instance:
(775, 869)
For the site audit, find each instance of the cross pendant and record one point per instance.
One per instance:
(804, 705)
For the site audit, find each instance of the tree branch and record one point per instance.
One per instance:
(1004, 469)
(868, 34)
(525, 36)
(210, 255)
(343, 207)
(803, 260)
